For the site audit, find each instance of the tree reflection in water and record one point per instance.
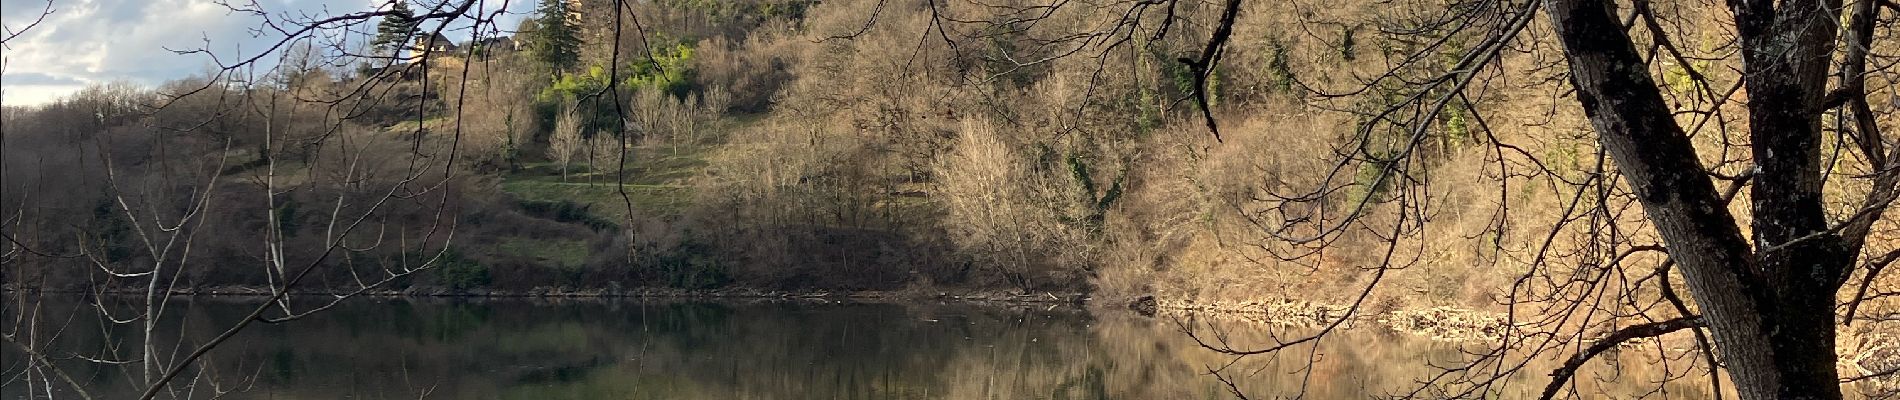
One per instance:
(636, 349)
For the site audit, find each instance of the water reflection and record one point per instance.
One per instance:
(632, 349)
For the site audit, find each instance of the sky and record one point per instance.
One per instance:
(86, 42)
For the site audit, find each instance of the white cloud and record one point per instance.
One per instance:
(35, 94)
(97, 41)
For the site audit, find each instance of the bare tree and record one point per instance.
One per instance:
(179, 177)
(1770, 286)
(566, 141)
(1771, 302)
(23, 331)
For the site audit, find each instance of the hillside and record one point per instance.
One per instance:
(810, 146)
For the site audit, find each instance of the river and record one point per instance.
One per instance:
(379, 348)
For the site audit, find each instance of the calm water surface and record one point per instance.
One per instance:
(634, 349)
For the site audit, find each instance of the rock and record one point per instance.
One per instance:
(1144, 305)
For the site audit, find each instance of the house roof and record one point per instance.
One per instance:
(435, 39)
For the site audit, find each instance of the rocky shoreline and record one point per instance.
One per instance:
(1437, 323)
(1872, 353)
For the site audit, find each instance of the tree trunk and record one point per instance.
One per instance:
(1785, 68)
(1771, 313)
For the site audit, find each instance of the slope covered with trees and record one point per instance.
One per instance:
(1577, 165)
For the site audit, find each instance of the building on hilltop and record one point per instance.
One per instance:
(430, 44)
(576, 16)
(490, 46)
(574, 8)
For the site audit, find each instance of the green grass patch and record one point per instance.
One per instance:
(657, 182)
(603, 198)
(645, 166)
(562, 253)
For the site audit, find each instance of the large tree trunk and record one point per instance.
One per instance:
(1785, 58)
(1771, 313)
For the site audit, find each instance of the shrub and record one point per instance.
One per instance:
(458, 272)
(669, 68)
(689, 264)
(569, 212)
(1002, 212)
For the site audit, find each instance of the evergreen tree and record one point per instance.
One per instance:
(396, 29)
(557, 41)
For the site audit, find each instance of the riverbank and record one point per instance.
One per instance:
(915, 294)
(1437, 323)
(1862, 354)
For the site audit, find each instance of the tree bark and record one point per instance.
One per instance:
(1785, 69)
(1771, 313)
